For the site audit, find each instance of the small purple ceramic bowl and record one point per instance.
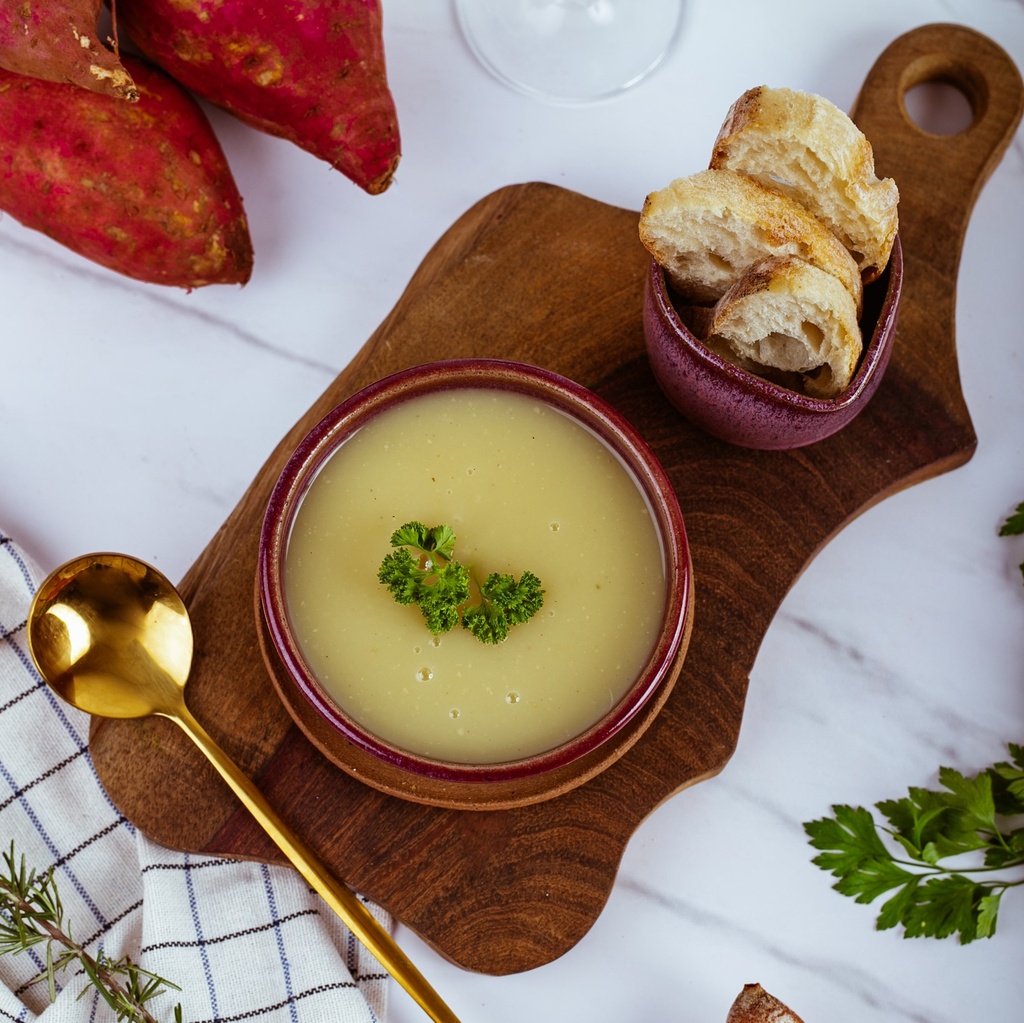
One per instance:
(352, 746)
(745, 409)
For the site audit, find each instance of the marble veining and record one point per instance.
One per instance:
(168, 301)
(925, 719)
(134, 418)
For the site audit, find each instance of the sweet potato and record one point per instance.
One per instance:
(58, 40)
(141, 188)
(311, 71)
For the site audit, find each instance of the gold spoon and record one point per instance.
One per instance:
(111, 635)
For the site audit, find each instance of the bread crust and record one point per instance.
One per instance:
(708, 229)
(805, 146)
(755, 1005)
(785, 314)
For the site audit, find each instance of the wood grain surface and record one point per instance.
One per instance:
(537, 273)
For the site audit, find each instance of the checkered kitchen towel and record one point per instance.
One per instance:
(243, 941)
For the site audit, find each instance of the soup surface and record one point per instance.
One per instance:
(523, 487)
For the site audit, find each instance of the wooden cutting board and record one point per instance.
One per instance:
(540, 274)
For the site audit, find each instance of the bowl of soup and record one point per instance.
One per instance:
(527, 476)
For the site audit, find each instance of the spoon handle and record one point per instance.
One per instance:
(341, 899)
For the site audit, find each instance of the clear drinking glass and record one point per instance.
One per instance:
(570, 51)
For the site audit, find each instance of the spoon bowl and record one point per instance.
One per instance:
(111, 636)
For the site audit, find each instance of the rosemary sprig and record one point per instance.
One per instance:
(31, 914)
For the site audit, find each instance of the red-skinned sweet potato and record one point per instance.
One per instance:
(58, 40)
(141, 188)
(311, 71)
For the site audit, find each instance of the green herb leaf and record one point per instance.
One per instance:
(437, 539)
(988, 911)
(1014, 525)
(854, 852)
(441, 586)
(945, 906)
(520, 601)
(486, 621)
(504, 603)
(400, 573)
(849, 840)
(895, 909)
(972, 797)
(1008, 783)
(969, 815)
(440, 599)
(926, 826)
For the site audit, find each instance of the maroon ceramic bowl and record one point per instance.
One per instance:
(745, 409)
(353, 747)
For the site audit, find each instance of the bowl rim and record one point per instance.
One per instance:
(585, 408)
(873, 359)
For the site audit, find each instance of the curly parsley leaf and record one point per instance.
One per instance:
(440, 601)
(400, 573)
(504, 603)
(428, 575)
(969, 815)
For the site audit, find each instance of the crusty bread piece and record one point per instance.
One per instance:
(754, 1005)
(791, 316)
(708, 229)
(805, 146)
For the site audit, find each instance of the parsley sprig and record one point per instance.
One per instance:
(981, 815)
(979, 818)
(32, 914)
(422, 570)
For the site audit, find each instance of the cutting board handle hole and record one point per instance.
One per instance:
(939, 108)
(942, 95)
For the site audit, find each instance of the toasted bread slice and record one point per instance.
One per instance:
(754, 1005)
(708, 229)
(790, 316)
(805, 146)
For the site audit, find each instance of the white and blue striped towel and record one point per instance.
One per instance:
(243, 941)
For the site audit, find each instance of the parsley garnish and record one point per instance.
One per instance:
(428, 575)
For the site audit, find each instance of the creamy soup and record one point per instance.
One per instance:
(524, 487)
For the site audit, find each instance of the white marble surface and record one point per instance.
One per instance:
(139, 415)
